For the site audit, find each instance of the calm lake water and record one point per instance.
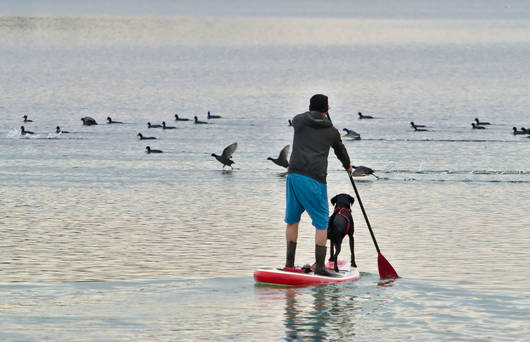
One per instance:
(103, 242)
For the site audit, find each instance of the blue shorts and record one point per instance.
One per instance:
(303, 193)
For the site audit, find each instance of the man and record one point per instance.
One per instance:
(306, 188)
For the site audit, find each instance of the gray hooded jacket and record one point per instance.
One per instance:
(314, 134)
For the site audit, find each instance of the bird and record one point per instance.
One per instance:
(516, 132)
(199, 122)
(59, 131)
(351, 134)
(110, 121)
(362, 116)
(24, 132)
(145, 138)
(153, 126)
(224, 158)
(149, 150)
(360, 171)
(525, 131)
(413, 125)
(167, 127)
(211, 116)
(88, 121)
(26, 119)
(481, 123)
(177, 118)
(416, 129)
(477, 126)
(282, 157)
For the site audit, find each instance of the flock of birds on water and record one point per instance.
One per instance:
(225, 158)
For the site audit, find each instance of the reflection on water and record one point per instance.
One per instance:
(329, 315)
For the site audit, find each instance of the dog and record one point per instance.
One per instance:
(341, 224)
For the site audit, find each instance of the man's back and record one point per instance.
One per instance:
(314, 134)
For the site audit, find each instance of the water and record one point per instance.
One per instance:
(101, 241)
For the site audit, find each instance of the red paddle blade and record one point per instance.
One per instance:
(386, 271)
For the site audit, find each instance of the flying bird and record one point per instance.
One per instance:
(224, 158)
(361, 171)
(282, 157)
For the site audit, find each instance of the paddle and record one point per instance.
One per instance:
(386, 271)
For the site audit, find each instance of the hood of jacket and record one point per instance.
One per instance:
(316, 119)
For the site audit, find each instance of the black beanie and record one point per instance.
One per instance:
(319, 103)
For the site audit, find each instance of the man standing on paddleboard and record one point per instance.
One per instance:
(306, 188)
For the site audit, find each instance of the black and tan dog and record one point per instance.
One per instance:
(341, 224)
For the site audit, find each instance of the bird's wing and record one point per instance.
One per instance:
(362, 171)
(283, 153)
(229, 150)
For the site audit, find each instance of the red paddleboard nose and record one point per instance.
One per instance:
(386, 271)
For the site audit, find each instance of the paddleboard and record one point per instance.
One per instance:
(298, 276)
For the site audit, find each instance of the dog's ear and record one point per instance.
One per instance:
(351, 199)
(334, 199)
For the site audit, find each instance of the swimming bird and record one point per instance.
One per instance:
(88, 121)
(416, 129)
(145, 138)
(150, 150)
(351, 134)
(362, 116)
(516, 132)
(481, 123)
(24, 132)
(110, 121)
(224, 158)
(525, 131)
(477, 126)
(177, 118)
(361, 171)
(282, 157)
(153, 126)
(58, 130)
(199, 122)
(211, 116)
(167, 127)
(26, 119)
(413, 125)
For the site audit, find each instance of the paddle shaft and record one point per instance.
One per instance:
(361, 204)
(364, 213)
